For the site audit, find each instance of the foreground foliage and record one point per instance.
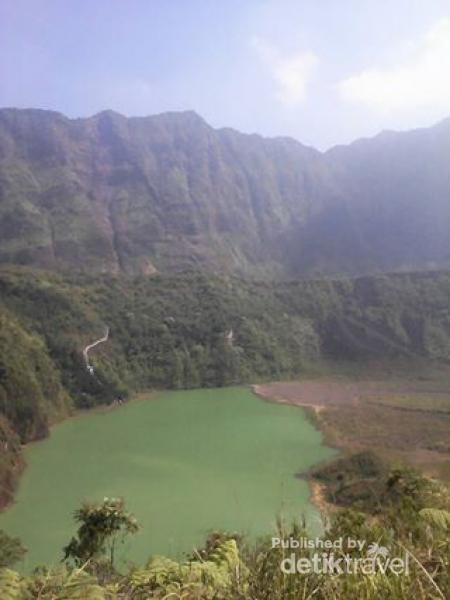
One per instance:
(414, 523)
(102, 526)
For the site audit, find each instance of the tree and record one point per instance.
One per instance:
(102, 525)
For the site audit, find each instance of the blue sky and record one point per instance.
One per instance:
(322, 71)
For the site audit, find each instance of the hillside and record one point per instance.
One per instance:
(171, 331)
(170, 193)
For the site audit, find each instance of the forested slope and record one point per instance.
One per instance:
(174, 331)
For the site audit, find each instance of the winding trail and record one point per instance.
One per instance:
(89, 347)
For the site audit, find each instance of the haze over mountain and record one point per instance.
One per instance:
(169, 192)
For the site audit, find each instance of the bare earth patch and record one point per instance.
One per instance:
(402, 420)
(315, 394)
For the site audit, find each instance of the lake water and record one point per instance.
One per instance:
(186, 462)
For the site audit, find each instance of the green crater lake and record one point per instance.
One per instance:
(186, 462)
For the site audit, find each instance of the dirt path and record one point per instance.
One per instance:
(90, 346)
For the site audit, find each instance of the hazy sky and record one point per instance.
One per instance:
(322, 71)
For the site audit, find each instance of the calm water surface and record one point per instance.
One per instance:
(186, 462)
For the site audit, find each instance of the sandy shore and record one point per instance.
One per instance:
(269, 392)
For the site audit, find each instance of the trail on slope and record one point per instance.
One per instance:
(90, 346)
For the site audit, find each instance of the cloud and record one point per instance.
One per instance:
(291, 73)
(419, 80)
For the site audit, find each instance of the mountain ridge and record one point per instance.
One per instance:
(109, 111)
(168, 192)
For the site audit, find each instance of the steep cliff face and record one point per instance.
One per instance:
(391, 209)
(166, 192)
(169, 192)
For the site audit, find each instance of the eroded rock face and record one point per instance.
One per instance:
(168, 192)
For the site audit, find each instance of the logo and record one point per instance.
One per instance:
(333, 557)
(375, 551)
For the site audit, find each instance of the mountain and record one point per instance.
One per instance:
(170, 193)
(391, 207)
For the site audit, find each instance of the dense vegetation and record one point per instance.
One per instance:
(356, 480)
(364, 481)
(412, 521)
